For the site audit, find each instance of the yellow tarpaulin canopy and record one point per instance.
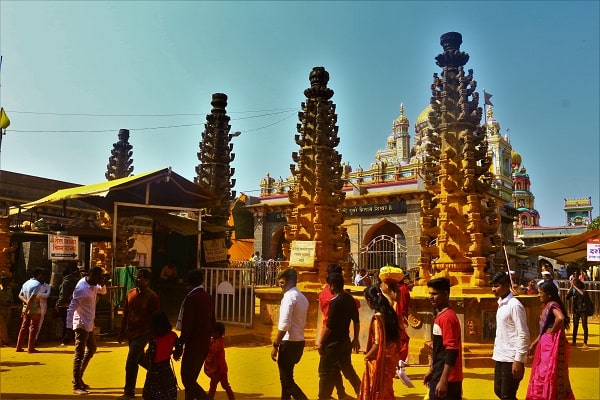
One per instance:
(566, 250)
(161, 187)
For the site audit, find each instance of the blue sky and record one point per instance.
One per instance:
(137, 64)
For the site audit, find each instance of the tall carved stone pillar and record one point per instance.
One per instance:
(317, 197)
(459, 216)
(214, 171)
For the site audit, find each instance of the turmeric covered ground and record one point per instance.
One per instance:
(252, 374)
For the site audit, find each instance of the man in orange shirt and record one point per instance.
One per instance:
(140, 304)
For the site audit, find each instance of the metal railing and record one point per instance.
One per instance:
(264, 272)
(233, 291)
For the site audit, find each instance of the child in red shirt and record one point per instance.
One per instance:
(161, 383)
(215, 366)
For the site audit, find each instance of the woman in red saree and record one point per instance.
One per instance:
(382, 353)
(549, 378)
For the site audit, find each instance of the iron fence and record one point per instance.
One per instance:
(233, 291)
(264, 273)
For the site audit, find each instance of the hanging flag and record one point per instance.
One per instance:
(486, 98)
(4, 121)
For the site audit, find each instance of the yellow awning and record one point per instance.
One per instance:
(161, 187)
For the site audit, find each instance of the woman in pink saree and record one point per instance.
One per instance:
(382, 353)
(550, 368)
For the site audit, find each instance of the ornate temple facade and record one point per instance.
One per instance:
(382, 203)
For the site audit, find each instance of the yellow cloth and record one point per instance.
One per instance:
(4, 121)
(392, 273)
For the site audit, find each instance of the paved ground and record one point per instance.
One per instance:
(253, 375)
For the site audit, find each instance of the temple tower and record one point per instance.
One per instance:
(317, 194)
(522, 198)
(579, 211)
(460, 217)
(397, 151)
(500, 150)
(214, 172)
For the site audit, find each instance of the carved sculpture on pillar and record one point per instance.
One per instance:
(459, 216)
(214, 171)
(317, 196)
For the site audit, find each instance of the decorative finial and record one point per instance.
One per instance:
(219, 102)
(452, 56)
(451, 41)
(318, 84)
(318, 77)
(402, 109)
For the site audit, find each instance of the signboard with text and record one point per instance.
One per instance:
(302, 254)
(394, 207)
(215, 250)
(593, 250)
(62, 247)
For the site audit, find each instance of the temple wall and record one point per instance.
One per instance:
(357, 227)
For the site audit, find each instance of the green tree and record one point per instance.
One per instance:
(595, 224)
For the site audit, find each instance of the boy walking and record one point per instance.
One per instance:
(215, 366)
(444, 377)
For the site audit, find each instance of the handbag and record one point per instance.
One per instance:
(144, 361)
(589, 305)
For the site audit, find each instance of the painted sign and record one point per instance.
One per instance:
(593, 250)
(302, 254)
(394, 207)
(215, 250)
(62, 247)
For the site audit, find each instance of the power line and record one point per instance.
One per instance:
(149, 128)
(274, 123)
(270, 112)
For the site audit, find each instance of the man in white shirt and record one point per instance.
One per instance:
(80, 318)
(31, 312)
(289, 342)
(512, 339)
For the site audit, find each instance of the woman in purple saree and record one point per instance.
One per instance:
(550, 368)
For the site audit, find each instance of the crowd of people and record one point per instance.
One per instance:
(153, 343)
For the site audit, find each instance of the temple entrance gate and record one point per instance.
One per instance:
(382, 250)
(233, 292)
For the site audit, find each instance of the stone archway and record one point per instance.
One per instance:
(383, 227)
(384, 243)
(276, 245)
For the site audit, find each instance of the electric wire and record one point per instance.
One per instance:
(291, 112)
(270, 112)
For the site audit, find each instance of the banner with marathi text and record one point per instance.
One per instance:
(215, 250)
(302, 254)
(593, 250)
